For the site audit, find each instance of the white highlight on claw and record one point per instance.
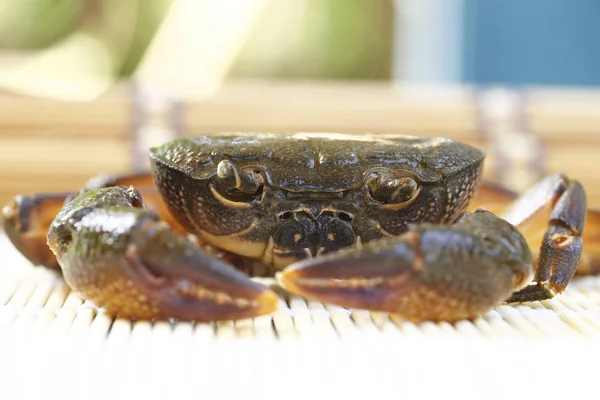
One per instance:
(187, 288)
(108, 221)
(342, 283)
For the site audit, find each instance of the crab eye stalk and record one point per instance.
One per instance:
(245, 181)
(395, 191)
(237, 185)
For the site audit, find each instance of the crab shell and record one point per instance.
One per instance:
(313, 195)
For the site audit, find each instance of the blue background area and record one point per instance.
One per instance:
(532, 42)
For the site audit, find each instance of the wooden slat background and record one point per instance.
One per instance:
(49, 145)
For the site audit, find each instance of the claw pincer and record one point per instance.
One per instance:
(433, 272)
(119, 256)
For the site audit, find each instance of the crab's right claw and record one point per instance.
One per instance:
(121, 257)
(431, 273)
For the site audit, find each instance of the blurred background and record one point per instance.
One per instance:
(87, 85)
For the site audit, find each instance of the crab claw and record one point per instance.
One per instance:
(120, 256)
(431, 273)
(187, 283)
(371, 279)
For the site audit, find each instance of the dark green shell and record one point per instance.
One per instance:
(318, 162)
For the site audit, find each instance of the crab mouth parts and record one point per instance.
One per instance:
(302, 253)
(281, 258)
(312, 231)
(315, 251)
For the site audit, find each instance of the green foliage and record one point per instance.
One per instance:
(340, 39)
(34, 24)
(335, 39)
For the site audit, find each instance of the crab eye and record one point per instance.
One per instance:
(237, 185)
(392, 190)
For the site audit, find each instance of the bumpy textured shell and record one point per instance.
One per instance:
(318, 162)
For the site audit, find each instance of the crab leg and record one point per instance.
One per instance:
(590, 259)
(120, 256)
(27, 218)
(144, 184)
(533, 222)
(433, 272)
(559, 204)
(492, 197)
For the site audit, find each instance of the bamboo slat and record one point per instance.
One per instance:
(47, 152)
(565, 116)
(101, 116)
(51, 145)
(356, 108)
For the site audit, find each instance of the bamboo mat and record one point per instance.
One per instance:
(70, 142)
(53, 343)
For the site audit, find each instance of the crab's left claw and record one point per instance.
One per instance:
(431, 273)
(375, 278)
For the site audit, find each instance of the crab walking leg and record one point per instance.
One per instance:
(120, 256)
(498, 199)
(559, 204)
(590, 259)
(26, 220)
(433, 272)
(492, 197)
(144, 184)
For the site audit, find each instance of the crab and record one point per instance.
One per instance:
(370, 222)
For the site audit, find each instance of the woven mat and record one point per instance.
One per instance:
(51, 340)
